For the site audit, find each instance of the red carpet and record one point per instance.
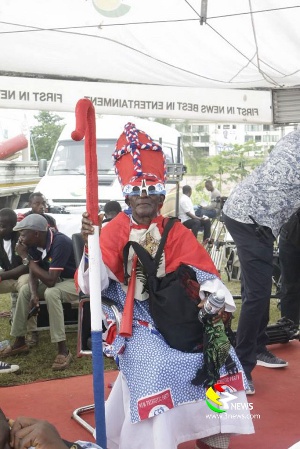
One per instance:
(275, 404)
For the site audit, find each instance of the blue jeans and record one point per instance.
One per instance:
(256, 260)
(289, 259)
(211, 213)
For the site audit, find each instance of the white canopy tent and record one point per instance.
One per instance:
(160, 50)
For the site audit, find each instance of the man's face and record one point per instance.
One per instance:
(209, 186)
(145, 206)
(6, 228)
(38, 205)
(29, 238)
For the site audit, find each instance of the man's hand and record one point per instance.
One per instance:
(21, 249)
(34, 302)
(4, 432)
(28, 432)
(215, 318)
(87, 227)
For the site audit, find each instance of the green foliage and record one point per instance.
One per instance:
(164, 121)
(37, 364)
(230, 165)
(45, 134)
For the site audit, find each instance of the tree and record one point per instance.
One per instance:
(230, 166)
(44, 135)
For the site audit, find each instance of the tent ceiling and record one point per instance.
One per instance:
(246, 44)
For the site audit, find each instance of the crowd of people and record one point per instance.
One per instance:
(38, 263)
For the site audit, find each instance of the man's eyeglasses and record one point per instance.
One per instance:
(155, 189)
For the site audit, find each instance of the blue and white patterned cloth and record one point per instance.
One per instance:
(149, 364)
(271, 193)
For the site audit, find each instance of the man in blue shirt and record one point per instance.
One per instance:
(50, 258)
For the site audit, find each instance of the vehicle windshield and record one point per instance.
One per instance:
(69, 158)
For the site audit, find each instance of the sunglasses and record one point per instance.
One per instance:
(156, 189)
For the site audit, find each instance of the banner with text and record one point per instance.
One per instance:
(203, 105)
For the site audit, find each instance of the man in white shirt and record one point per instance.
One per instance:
(188, 217)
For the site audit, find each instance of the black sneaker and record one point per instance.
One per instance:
(269, 360)
(250, 390)
(6, 368)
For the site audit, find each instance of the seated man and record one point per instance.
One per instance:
(38, 205)
(13, 274)
(214, 208)
(50, 258)
(188, 217)
(153, 403)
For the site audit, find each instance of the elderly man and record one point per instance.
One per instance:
(50, 258)
(153, 403)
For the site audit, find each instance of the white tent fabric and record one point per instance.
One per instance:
(244, 44)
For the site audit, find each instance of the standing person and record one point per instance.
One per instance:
(254, 214)
(213, 209)
(38, 205)
(289, 260)
(153, 403)
(188, 217)
(13, 273)
(50, 258)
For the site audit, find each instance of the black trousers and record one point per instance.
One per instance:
(256, 260)
(289, 259)
(196, 225)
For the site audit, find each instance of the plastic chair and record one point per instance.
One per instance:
(84, 328)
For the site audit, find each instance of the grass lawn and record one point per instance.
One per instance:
(37, 364)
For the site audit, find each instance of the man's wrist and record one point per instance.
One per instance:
(26, 260)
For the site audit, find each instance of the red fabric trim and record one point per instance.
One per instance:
(181, 246)
(76, 281)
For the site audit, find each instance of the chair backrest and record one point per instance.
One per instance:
(78, 245)
(84, 314)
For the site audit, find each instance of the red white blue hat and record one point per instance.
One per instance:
(139, 163)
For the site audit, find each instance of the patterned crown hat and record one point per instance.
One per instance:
(139, 163)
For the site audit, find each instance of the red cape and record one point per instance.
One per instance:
(181, 246)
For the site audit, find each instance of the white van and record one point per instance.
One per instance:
(64, 183)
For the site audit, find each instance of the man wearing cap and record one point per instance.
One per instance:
(153, 403)
(50, 258)
(13, 274)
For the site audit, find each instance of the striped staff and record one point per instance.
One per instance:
(86, 127)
